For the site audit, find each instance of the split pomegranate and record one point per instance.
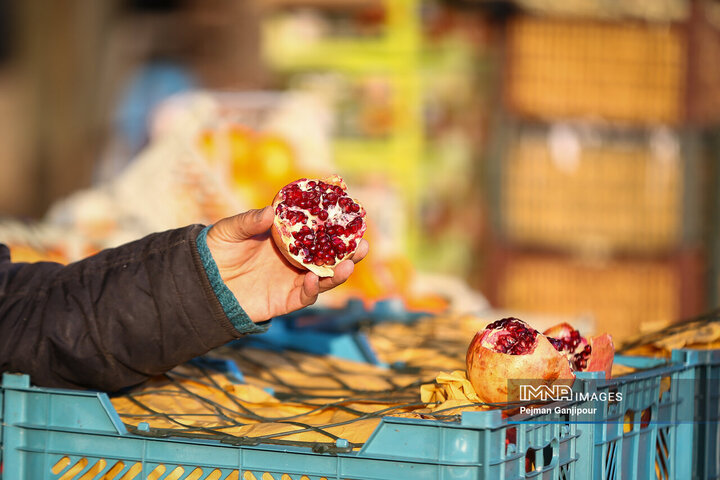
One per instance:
(317, 225)
(594, 354)
(510, 349)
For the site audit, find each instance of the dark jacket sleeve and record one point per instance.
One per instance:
(113, 319)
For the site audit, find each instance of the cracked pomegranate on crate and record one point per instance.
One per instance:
(510, 349)
(317, 225)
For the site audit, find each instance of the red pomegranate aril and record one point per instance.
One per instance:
(323, 215)
(352, 228)
(351, 245)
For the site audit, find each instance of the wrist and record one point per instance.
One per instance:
(230, 305)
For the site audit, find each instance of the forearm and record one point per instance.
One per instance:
(113, 319)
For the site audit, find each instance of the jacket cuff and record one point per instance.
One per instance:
(229, 303)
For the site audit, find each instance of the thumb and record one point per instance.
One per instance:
(248, 224)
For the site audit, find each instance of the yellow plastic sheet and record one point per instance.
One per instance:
(450, 392)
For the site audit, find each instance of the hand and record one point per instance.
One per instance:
(252, 267)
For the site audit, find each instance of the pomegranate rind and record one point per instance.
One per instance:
(602, 355)
(282, 236)
(489, 371)
(559, 331)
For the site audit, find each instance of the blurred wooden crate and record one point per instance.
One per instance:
(580, 189)
(631, 72)
(621, 294)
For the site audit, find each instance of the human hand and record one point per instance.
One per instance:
(261, 279)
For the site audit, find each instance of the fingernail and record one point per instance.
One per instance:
(259, 214)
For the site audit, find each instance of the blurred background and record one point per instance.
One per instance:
(555, 158)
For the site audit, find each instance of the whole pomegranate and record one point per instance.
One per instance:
(317, 225)
(511, 349)
(594, 354)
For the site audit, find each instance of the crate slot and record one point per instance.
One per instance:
(537, 460)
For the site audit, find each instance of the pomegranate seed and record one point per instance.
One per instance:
(323, 215)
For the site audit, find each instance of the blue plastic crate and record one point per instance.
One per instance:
(640, 436)
(64, 434)
(703, 369)
(332, 331)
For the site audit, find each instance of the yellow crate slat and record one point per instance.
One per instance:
(400, 39)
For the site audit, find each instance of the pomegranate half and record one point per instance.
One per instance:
(510, 349)
(594, 354)
(317, 225)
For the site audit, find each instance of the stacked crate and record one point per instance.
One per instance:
(597, 179)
